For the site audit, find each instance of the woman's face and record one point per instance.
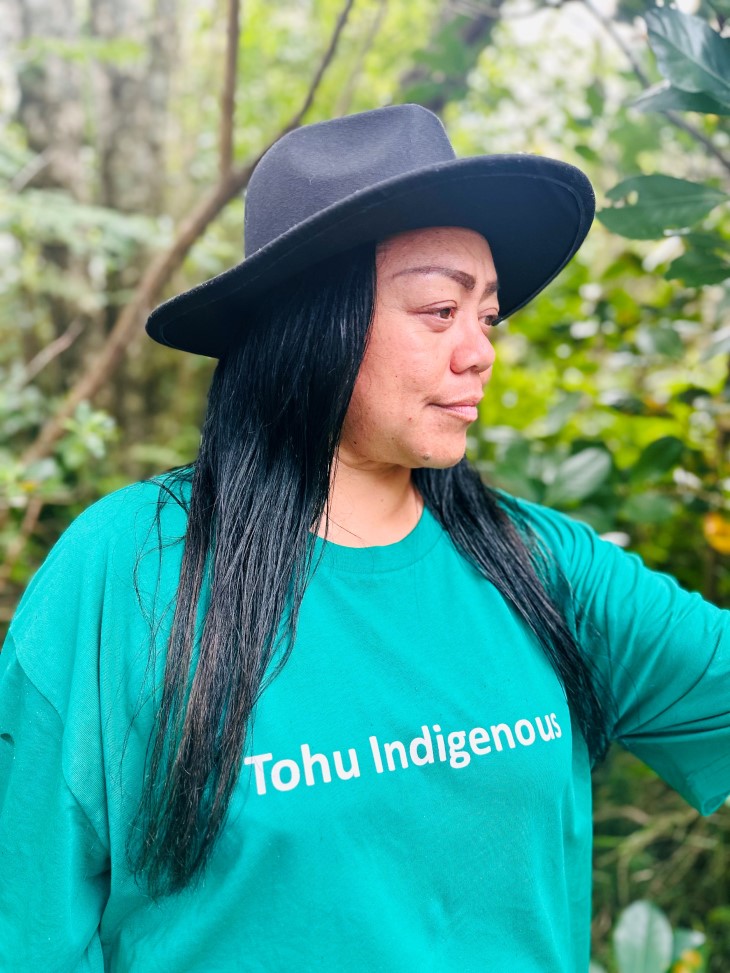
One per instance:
(429, 355)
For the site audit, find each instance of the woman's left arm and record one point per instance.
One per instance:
(663, 652)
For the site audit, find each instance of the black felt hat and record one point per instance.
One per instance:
(324, 188)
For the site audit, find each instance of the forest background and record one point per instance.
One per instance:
(129, 131)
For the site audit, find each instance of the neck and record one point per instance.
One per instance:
(370, 506)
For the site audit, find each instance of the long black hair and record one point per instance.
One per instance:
(259, 486)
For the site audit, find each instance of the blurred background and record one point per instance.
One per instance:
(128, 132)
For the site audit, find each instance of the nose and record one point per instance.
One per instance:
(473, 350)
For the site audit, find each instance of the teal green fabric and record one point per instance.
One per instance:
(414, 798)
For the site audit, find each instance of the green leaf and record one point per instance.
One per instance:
(719, 345)
(599, 518)
(689, 53)
(643, 939)
(696, 268)
(659, 340)
(119, 51)
(579, 476)
(665, 97)
(686, 939)
(658, 458)
(648, 507)
(555, 419)
(654, 205)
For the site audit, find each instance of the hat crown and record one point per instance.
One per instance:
(319, 165)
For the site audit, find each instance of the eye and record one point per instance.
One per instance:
(445, 314)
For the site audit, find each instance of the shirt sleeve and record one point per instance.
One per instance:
(664, 653)
(78, 675)
(54, 834)
(53, 864)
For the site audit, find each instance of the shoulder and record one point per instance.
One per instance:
(557, 533)
(106, 540)
(128, 515)
(132, 507)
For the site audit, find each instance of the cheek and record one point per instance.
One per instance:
(398, 377)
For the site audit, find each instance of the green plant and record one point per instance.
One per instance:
(644, 942)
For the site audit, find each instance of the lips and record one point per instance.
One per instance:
(464, 409)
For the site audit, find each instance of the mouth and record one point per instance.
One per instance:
(462, 410)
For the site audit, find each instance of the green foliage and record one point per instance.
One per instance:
(690, 54)
(610, 397)
(120, 51)
(644, 942)
(665, 97)
(695, 62)
(661, 204)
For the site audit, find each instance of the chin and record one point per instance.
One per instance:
(440, 459)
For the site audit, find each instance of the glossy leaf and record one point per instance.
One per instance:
(658, 458)
(665, 97)
(654, 205)
(718, 345)
(579, 476)
(690, 54)
(643, 940)
(648, 507)
(662, 340)
(696, 268)
(687, 942)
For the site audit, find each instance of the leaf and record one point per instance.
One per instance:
(579, 476)
(642, 940)
(719, 345)
(556, 417)
(662, 204)
(658, 458)
(665, 97)
(648, 507)
(599, 518)
(689, 53)
(119, 51)
(697, 268)
(659, 340)
(686, 939)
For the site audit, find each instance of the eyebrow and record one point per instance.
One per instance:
(460, 276)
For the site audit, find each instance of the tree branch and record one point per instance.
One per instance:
(133, 315)
(328, 57)
(17, 544)
(673, 117)
(343, 103)
(47, 354)
(228, 93)
(699, 137)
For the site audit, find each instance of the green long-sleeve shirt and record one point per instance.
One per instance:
(414, 797)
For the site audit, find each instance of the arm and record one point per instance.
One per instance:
(53, 863)
(664, 653)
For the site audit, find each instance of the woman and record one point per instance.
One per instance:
(323, 701)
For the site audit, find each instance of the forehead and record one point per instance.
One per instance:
(435, 244)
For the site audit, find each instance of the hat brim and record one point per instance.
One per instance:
(534, 213)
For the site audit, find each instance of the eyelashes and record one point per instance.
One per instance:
(491, 320)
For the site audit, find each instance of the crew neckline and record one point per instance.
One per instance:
(380, 557)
